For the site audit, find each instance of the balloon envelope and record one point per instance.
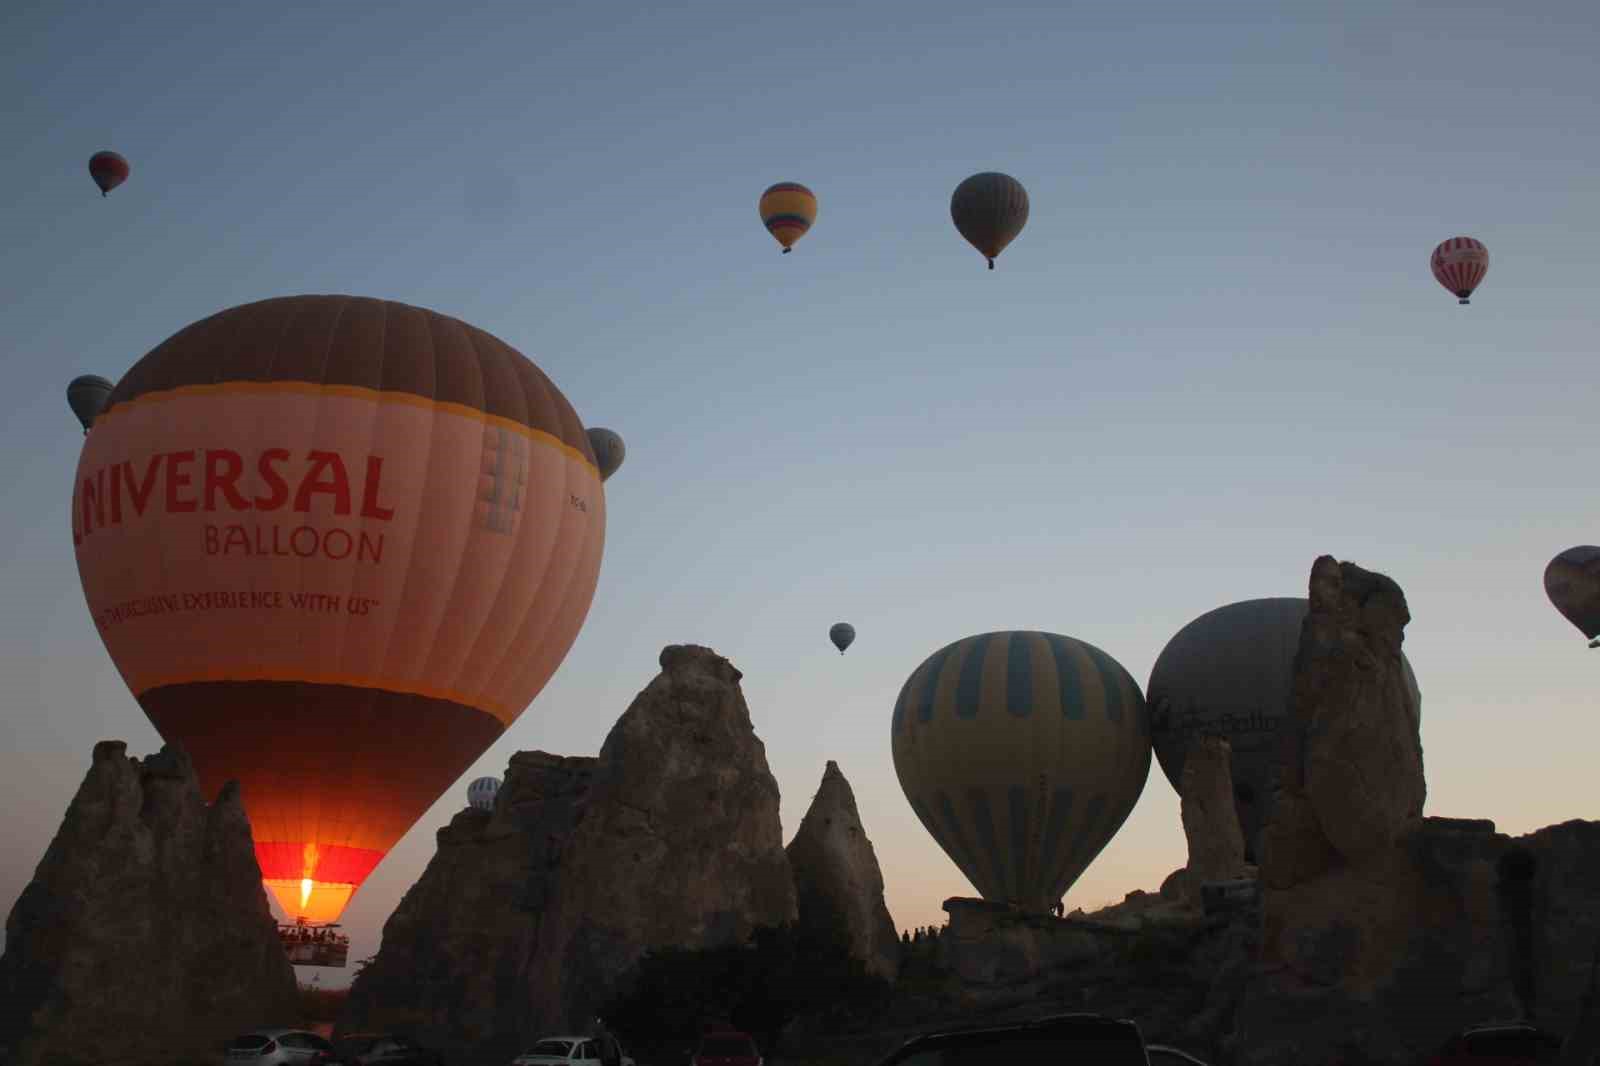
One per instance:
(1572, 581)
(787, 210)
(1459, 264)
(1230, 673)
(87, 395)
(108, 169)
(481, 793)
(1022, 753)
(335, 546)
(843, 634)
(989, 210)
(608, 451)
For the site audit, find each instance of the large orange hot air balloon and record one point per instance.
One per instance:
(335, 546)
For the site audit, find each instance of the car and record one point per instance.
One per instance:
(379, 1049)
(1081, 1037)
(1163, 1055)
(566, 1051)
(1511, 1044)
(276, 1046)
(726, 1047)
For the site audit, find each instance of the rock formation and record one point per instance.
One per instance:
(1384, 932)
(455, 951)
(1210, 821)
(145, 936)
(837, 880)
(670, 837)
(1352, 780)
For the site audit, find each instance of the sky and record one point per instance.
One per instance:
(1215, 353)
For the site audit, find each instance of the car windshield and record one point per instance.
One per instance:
(726, 1047)
(555, 1049)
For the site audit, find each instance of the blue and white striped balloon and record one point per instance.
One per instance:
(481, 793)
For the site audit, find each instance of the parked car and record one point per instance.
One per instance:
(276, 1046)
(1087, 1038)
(726, 1047)
(379, 1049)
(566, 1051)
(1513, 1044)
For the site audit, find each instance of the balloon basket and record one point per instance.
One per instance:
(307, 945)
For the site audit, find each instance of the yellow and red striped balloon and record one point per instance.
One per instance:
(335, 546)
(787, 210)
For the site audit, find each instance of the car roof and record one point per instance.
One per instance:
(1077, 1017)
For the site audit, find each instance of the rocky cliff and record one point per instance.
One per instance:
(670, 837)
(838, 884)
(145, 936)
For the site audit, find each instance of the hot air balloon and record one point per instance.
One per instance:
(608, 451)
(1022, 753)
(843, 634)
(1459, 264)
(108, 169)
(787, 210)
(86, 395)
(481, 793)
(335, 546)
(1230, 673)
(1572, 581)
(989, 209)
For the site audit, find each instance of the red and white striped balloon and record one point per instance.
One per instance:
(1459, 264)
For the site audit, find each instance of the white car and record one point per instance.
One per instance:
(566, 1051)
(275, 1047)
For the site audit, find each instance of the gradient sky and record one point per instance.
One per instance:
(1215, 353)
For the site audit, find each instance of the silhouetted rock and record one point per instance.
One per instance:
(1210, 821)
(671, 837)
(455, 953)
(837, 880)
(145, 936)
(1352, 778)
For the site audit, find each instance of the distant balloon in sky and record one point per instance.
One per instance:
(1022, 753)
(86, 395)
(608, 450)
(1572, 581)
(481, 793)
(1230, 673)
(1459, 264)
(787, 210)
(108, 169)
(335, 546)
(843, 634)
(989, 210)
